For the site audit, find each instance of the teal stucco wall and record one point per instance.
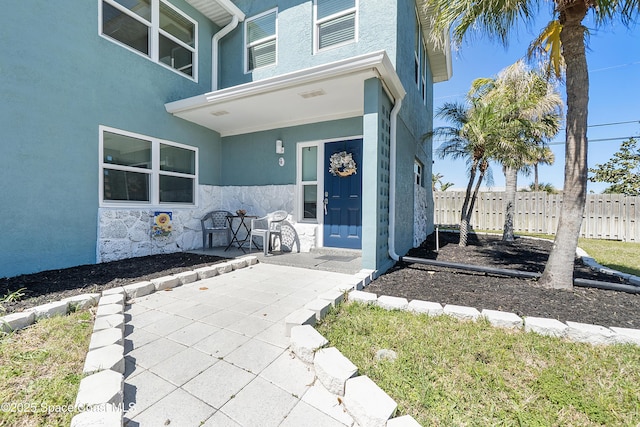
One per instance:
(251, 159)
(60, 80)
(377, 31)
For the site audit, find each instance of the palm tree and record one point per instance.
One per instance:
(436, 179)
(544, 187)
(546, 157)
(497, 19)
(527, 107)
(467, 138)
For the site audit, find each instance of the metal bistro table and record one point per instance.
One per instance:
(236, 234)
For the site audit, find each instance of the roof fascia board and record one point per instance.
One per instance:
(378, 61)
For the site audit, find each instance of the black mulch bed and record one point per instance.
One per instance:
(521, 296)
(54, 285)
(412, 281)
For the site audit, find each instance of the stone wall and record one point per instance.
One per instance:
(422, 223)
(126, 233)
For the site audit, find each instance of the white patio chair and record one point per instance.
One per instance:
(267, 227)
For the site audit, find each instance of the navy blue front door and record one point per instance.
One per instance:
(343, 197)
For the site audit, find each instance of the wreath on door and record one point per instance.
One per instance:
(342, 164)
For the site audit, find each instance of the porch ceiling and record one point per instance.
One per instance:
(327, 92)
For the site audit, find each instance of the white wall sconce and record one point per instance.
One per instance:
(279, 146)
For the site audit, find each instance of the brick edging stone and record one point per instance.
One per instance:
(100, 398)
(361, 398)
(101, 394)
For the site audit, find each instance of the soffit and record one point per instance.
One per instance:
(439, 56)
(327, 92)
(220, 12)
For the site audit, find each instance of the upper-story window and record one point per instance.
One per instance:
(260, 34)
(153, 28)
(420, 60)
(335, 22)
(141, 170)
(416, 51)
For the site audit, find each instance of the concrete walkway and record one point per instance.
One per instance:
(348, 261)
(214, 353)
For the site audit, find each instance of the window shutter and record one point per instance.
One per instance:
(329, 7)
(337, 31)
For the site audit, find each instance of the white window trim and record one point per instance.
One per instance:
(317, 23)
(319, 182)
(423, 65)
(320, 178)
(416, 51)
(246, 45)
(420, 58)
(154, 40)
(154, 172)
(419, 174)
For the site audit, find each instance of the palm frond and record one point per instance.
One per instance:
(495, 18)
(549, 46)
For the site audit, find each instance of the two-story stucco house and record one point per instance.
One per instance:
(114, 110)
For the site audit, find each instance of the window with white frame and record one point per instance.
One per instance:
(308, 181)
(335, 22)
(420, 57)
(153, 28)
(260, 35)
(136, 169)
(417, 172)
(424, 73)
(416, 51)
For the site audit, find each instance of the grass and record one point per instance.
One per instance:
(621, 256)
(41, 369)
(450, 372)
(10, 297)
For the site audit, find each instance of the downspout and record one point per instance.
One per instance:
(215, 48)
(393, 123)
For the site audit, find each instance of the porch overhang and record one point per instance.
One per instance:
(326, 92)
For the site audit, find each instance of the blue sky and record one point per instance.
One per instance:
(613, 58)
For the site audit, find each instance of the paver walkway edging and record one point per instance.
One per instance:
(101, 395)
(307, 343)
(366, 403)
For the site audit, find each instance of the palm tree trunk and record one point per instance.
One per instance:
(558, 272)
(465, 216)
(511, 181)
(536, 184)
(483, 169)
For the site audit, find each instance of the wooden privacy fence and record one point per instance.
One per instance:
(607, 216)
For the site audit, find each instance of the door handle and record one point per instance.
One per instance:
(325, 202)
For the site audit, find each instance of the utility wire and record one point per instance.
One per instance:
(609, 124)
(595, 140)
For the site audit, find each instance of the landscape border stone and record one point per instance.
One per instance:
(109, 321)
(100, 396)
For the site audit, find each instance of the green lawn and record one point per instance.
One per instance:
(451, 372)
(41, 369)
(621, 256)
